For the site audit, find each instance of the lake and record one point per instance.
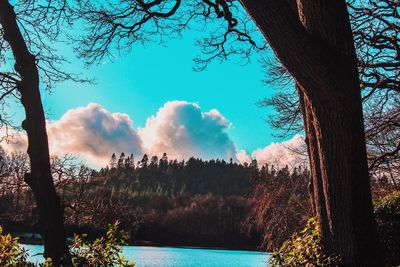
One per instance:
(181, 257)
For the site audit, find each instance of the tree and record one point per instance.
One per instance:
(313, 41)
(39, 179)
(376, 33)
(121, 160)
(12, 169)
(129, 162)
(113, 161)
(144, 161)
(280, 204)
(376, 40)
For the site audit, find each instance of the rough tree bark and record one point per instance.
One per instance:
(315, 45)
(39, 179)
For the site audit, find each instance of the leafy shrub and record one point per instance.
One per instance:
(11, 252)
(387, 216)
(103, 252)
(303, 249)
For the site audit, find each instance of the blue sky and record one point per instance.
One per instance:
(140, 82)
(150, 100)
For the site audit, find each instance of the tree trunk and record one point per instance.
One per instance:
(39, 179)
(315, 186)
(315, 45)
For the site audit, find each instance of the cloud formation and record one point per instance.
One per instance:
(12, 140)
(94, 133)
(243, 157)
(291, 153)
(179, 128)
(182, 130)
(91, 132)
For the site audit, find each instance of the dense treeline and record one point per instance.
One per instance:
(162, 201)
(216, 202)
(172, 177)
(169, 202)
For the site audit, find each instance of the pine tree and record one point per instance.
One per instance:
(121, 160)
(113, 161)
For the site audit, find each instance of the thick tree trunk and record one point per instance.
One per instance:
(316, 46)
(315, 187)
(39, 179)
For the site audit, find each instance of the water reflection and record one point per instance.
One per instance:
(182, 257)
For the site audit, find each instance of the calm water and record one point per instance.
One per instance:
(182, 257)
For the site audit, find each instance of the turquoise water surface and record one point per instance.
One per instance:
(181, 257)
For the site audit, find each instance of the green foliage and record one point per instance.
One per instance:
(103, 252)
(11, 252)
(387, 216)
(303, 249)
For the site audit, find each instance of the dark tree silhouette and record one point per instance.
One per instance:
(376, 37)
(315, 45)
(26, 29)
(39, 178)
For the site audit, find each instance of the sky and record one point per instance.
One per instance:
(140, 82)
(151, 101)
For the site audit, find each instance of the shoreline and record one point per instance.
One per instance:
(171, 246)
(196, 247)
(146, 243)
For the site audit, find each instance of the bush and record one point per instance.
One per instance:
(303, 249)
(11, 252)
(387, 216)
(103, 252)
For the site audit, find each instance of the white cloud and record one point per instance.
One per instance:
(291, 153)
(91, 132)
(179, 128)
(13, 140)
(243, 157)
(182, 130)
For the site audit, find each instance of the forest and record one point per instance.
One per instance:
(164, 202)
